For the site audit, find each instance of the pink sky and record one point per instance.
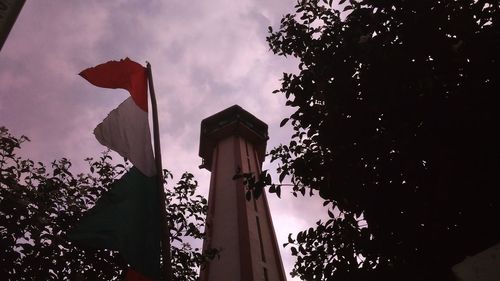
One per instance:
(206, 56)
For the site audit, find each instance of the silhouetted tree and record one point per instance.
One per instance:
(396, 125)
(38, 205)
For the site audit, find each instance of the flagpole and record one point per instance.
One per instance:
(165, 238)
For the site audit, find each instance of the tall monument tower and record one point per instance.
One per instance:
(234, 140)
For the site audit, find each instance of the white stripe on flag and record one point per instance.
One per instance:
(126, 131)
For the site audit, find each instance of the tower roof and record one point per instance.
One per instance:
(231, 121)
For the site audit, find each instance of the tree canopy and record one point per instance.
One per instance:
(395, 125)
(39, 204)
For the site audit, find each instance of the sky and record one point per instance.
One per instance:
(205, 56)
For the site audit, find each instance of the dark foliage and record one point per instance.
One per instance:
(396, 126)
(38, 205)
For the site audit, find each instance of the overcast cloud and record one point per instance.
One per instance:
(206, 56)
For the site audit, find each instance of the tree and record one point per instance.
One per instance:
(39, 204)
(395, 126)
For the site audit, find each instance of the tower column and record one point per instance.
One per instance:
(234, 140)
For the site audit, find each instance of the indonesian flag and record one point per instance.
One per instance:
(127, 217)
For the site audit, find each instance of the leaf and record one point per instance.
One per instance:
(330, 214)
(283, 122)
(348, 7)
(268, 179)
(282, 176)
(302, 250)
(300, 237)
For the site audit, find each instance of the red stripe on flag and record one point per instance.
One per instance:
(124, 74)
(133, 275)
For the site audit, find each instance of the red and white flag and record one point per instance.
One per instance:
(126, 128)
